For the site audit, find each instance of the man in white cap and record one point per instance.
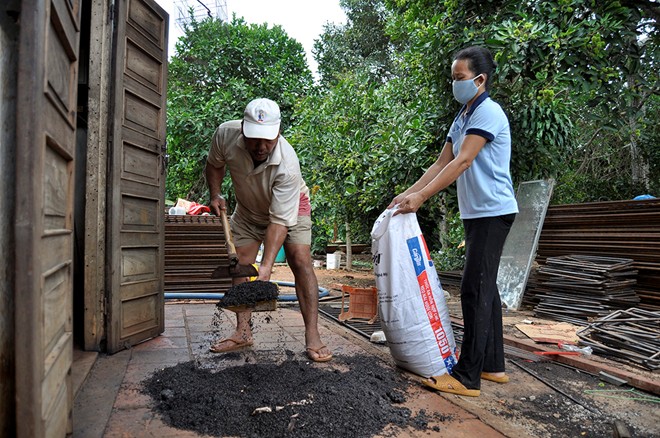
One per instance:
(272, 207)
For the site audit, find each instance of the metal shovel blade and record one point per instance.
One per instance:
(235, 271)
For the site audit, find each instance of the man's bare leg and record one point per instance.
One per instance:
(299, 258)
(242, 336)
(243, 333)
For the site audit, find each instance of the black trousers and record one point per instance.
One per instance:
(483, 341)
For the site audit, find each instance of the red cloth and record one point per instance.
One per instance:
(305, 207)
(197, 209)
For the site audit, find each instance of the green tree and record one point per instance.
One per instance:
(352, 140)
(217, 69)
(577, 79)
(360, 44)
(568, 70)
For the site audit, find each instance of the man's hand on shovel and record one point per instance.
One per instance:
(218, 205)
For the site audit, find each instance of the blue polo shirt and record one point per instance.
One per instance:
(485, 188)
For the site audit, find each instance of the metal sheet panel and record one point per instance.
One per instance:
(520, 246)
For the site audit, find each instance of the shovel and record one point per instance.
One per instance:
(234, 269)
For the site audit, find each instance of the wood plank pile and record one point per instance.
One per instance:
(632, 334)
(194, 247)
(628, 229)
(619, 229)
(579, 288)
(450, 278)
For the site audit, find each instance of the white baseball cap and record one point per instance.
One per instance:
(261, 119)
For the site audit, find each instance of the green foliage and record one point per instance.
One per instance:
(352, 141)
(452, 255)
(562, 65)
(360, 44)
(577, 79)
(601, 168)
(218, 68)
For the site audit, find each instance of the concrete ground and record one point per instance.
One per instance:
(110, 404)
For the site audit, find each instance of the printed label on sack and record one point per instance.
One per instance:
(415, 245)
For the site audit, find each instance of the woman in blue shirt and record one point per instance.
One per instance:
(476, 155)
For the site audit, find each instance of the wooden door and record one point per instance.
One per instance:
(136, 180)
(46, 128)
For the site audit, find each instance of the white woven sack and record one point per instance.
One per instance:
(411, 303)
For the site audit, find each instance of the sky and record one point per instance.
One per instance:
(302, 20)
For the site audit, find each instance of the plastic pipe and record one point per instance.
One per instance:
(217, 296)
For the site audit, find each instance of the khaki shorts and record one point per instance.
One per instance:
(245, 233)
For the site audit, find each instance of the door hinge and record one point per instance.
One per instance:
(104, 305)
(165, 158)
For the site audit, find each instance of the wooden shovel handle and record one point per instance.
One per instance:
(231, 249)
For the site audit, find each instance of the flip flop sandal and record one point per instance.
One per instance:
(319, 357)
(496, 379)
(237, 345)
(447, 383)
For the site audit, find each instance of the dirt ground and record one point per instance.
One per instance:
(543, 399)
(546, 399)
(292, 398)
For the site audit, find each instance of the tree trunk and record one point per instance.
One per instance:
(349, 248)
(443, 228)
(638, 166)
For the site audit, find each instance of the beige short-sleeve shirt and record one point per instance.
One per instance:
(269, 193)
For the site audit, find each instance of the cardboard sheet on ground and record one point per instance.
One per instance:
(550, 333)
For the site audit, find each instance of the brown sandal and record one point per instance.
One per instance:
(237, 345)
(446, 383)
(319, 357)
(496, 379)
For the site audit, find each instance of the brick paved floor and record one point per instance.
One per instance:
(110, 404)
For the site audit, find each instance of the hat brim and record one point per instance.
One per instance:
(254, 130)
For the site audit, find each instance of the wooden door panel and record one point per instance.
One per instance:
(150, 21)
(143, 66)
(58, 363)
(141, 165)
(141, 115)
(137, 177)
(138, 268)
(61, 57)
(46, 127)
(139, 315)
(57, 186)
(56, 313)
(140, 214)
(57, 421)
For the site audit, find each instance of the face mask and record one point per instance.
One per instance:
(465, 90)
